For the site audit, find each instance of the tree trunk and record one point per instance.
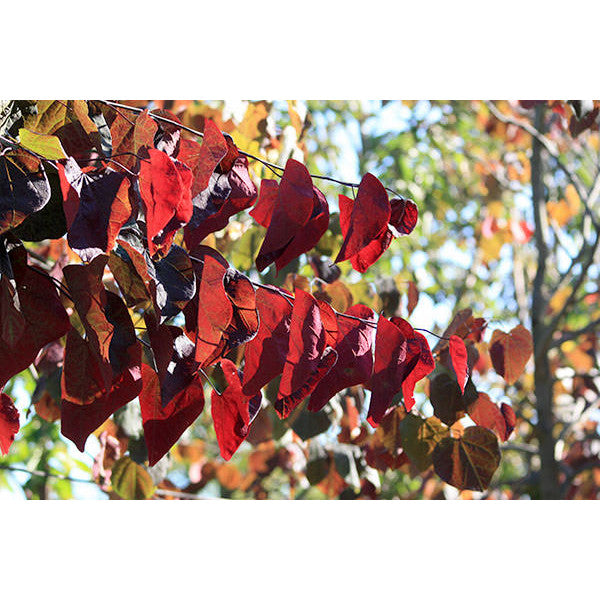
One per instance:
(549, 485)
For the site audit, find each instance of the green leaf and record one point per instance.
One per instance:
(47, 146)
(130, 480)
(419, 438)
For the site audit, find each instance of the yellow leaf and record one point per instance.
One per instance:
(559, 298)
(573, 198)
(47, 146)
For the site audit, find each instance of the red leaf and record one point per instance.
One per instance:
(85, 376)
(264, 356)
(165, 188)
(413, 297)
(131, 274)
(424, 366)
(330, 323)
(371, 252)
(203, 159)
(9, 422)
(265, 205)
(369, 218)
(129, 135)
(510, 352)
(510, 419)
(97, 205)
(165, 423)
(231, 411)
(404, 215)
(458, 356)
(78, 421)
(355, 359)
(90, 299)
(486, 413)
(307, 362)
(227, 194)
(214, 309)
(45, 318)
(395, 358)
(299, 217)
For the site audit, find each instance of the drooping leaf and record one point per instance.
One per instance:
(203, 158)
(49, 222)
(230, 190)
(510, 352)
(265, 354)
(165, 188)
(164, 423)
(308, 360)
(9, 422)
(355, 359)
(129, 135)
(24, 188)
(487, 414)
(419, 437)
(214, 310)
(12, 321)
(97, 206)
(468, 463)
(398, 351)
(298, 219)
(232, 411)
(130, 480)
(369, 217)
(89, 296)
(404, 215)
(449, 403)
(46, 319)
(510, 419)
(176, 281)
(458, 356)
(85, 377)
(130, 271)
(413, 297)
(78, 421)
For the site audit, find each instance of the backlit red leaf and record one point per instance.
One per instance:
(9, 422)
(203, 158)
(398, 351)
(165, 423)
(265, 355)
(307, 360)
(89, 296)
(355, 359)
(298, 219)
(486, 413)
(231, 411)
(404, 215)
(78, 421)
(165, 188)
(365, 220)
(458, 356)
(510, 352)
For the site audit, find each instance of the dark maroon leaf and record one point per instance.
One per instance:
(355, 359)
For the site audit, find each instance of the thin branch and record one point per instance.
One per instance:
(45, 474)
(268, 164)
(548, 144)
(591, 327)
